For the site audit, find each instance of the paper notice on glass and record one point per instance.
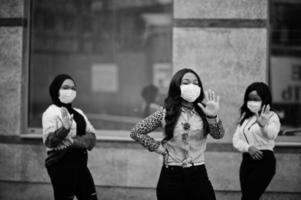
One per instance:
(286, 80)
(104, 77)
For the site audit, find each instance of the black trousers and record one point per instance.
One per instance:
(71, 178)
(256, 175)
(177, 183)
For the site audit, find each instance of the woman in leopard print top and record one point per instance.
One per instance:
(188, 117)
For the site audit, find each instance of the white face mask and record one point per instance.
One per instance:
(254, 106)
(67, 96)
(190, 92)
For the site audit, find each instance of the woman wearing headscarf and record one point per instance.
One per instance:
(67, 135)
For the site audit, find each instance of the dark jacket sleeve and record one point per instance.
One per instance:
(55, 138)
(86, 141)
(216, 128)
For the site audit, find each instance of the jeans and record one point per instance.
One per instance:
(71, 178)
(179, 183)
(256, 175)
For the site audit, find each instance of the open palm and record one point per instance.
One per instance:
(66, 118)
(264, 115)
(210, 105)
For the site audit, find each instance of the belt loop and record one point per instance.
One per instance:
(165, 159)
(165, 163)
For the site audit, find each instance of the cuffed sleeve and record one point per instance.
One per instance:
(86, 141)
(55, 138)
(216, 128)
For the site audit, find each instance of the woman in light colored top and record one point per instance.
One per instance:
(255, 138)
(67, 134)
(188, 117)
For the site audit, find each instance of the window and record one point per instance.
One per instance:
(112, 48)
(285, 66)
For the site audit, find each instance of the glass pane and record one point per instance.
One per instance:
(286, 66)
(112, 48)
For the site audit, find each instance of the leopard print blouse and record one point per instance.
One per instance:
(154, 121)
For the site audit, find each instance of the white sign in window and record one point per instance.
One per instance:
(286, 80)
(104, 77)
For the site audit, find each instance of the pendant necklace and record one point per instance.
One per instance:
(186, 125)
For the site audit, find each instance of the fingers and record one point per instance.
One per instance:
(211, 96)
(257, 155)
(262, 110)
(265, 109)
(268, 107)
(64, 112)
(65, 115)
(206, 95)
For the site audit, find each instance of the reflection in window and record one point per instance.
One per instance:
(286, 65)
(112, 48)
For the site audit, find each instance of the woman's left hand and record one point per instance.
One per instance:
(263, 117)
(211, 103)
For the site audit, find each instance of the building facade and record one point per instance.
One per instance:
(115, 48)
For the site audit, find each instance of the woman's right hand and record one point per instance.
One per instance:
(255, 153)
(66, 118)
(161, 150)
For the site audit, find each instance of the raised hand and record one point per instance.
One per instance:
(263, 117)
(66, 118)
(211, 103)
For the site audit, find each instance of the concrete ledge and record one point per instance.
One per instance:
(127, 164)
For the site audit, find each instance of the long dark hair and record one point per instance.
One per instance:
(173, 101)
(263, 91)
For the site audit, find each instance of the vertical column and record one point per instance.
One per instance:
(226, 42)
(11, 49)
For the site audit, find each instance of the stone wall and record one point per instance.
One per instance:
(226, 42)
(11, 62)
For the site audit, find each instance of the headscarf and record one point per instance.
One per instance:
(54, 94)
